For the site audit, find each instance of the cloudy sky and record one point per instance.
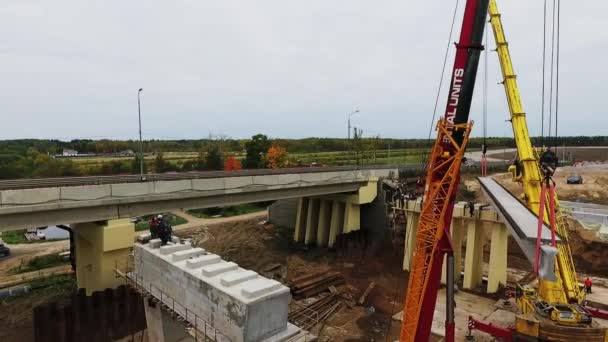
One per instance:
(71, 68)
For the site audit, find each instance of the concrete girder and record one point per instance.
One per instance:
(21, 217)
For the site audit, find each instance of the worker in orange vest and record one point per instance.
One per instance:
(588, 285)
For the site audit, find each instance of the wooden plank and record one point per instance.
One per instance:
(366, 293)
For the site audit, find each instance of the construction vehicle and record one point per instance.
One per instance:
(442, 177)
(554, 310)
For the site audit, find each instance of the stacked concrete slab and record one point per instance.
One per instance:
(239, 303)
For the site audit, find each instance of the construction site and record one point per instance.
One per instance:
(485, 245)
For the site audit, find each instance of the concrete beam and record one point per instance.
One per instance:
(27, 216)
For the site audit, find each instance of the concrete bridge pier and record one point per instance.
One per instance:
(320, 219)
(99, 246)
(470, 227)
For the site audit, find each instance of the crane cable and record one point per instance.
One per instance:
(551, 73)
(445, 60)
(557, 73)
(551, 133)
(484, 146)
(542, 112)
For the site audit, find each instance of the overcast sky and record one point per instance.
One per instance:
(71, 68)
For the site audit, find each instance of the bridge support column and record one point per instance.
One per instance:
(162, 326)
(457, 238)
(410, 239)
(312, 220)
(99, 247)
(301, 213)
(473, 256)
(324, 223)
(336, 222)
(497, 270)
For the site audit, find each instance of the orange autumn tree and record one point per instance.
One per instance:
(276, 157)
(231, 164)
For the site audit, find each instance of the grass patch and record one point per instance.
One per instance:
(144, 224)
(14, 237)
(233, 210)
(40, 262)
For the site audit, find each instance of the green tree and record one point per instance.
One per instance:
(160, 164)
(200, 161)
(214, 160)
(135, 165)
(256, 148)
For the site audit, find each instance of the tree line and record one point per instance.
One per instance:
(35, 157)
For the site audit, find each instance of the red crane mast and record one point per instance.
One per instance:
(442, 178)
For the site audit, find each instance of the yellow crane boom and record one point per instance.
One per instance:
(565, 289)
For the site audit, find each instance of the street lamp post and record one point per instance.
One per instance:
(141, 144)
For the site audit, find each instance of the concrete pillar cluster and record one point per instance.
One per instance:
(319, 221)
(469, 227)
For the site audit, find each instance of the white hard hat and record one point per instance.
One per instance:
(159, 216)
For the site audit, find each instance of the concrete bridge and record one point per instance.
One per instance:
(42, 202)
(98, 209)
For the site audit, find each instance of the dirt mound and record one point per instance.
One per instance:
(590, 255)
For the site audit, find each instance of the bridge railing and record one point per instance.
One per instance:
(99, 180)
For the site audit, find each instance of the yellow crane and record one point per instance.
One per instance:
(553, 311)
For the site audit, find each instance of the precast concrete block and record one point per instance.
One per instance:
(237, 277)
(258, 287)
(144, 238)
(169, 249)
(218, 268)
(187, 254)
(203, 261)
(155, 243)
(175, 239)
(242, 305)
